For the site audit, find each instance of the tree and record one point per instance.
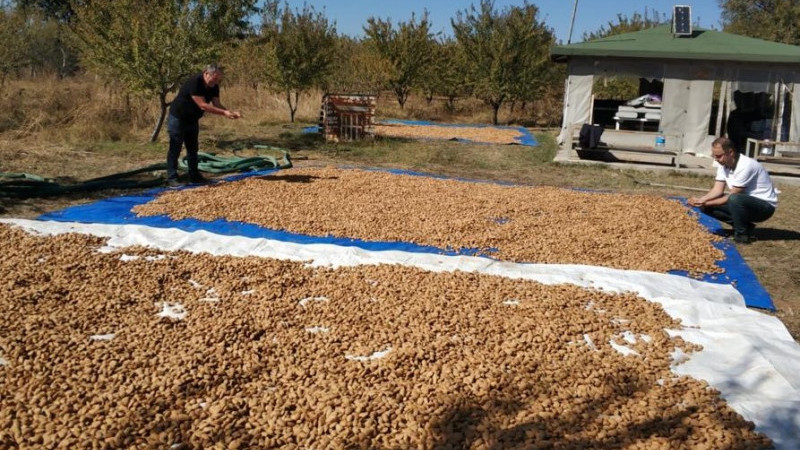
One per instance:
(624, 87)
(357, 68)
(505, 49)
(49, 44)
(535, 71)
(59, 10)
(304, 43)
(252, 61)
(150, 46)
(447, 74)
(773, 20)
(625, 24)
(429, 80)
(12, 34)
(407, 51)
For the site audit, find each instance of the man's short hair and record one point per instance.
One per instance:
(213, 68)
(725, 143)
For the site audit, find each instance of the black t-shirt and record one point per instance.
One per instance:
(183, 107)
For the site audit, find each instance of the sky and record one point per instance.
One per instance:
(351, 15)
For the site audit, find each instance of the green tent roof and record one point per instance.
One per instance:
(660, 43)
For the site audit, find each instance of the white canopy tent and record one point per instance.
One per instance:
(690, 68)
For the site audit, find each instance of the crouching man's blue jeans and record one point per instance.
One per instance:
(742, 211)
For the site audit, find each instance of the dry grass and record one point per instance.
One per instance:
(74, 111)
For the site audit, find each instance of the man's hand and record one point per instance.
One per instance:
(232, 114)
(694, 201)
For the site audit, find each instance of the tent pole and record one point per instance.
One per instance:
(781, 111)
(720, 108)
(728, 101)
(777, 112)
(566, 123)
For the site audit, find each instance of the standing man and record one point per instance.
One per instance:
(752, 196)
(200, 93)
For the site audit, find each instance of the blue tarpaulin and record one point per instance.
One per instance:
(736, 269)
(118, 211)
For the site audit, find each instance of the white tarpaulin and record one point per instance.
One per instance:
(747, 355)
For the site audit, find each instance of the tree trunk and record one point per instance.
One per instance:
(162, 97)
(292, 108)
(495, 108)
(128, 106)
(62, 72)
(402, 95)
(451, 103)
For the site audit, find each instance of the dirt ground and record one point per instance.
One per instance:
(772, 257)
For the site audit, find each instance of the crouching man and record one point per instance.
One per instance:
(752, 197)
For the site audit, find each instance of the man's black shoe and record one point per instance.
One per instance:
(197, 179)
(173, 182)
(743, 239)
(725, 232)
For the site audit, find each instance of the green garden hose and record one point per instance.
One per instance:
(211, 163)
(23, 185)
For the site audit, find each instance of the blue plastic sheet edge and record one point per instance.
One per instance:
(117, 211)
(526, 138)
(737, 272)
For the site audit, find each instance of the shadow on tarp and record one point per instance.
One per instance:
(526, 138)
(117, 211)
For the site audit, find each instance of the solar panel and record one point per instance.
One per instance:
(682, 20)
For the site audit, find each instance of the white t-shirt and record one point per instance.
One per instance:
(751, 176)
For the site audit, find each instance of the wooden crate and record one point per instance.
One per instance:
(347, 117)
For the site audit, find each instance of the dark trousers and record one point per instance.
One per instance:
(182, 132)
(741, 211)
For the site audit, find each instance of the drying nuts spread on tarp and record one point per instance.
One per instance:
(516, 223)
(145, 349)
(492, 135)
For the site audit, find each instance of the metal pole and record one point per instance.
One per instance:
(723, 89)
(572, 22)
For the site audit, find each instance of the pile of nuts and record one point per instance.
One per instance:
(516, 223)
(492, 135)
(276, 354)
